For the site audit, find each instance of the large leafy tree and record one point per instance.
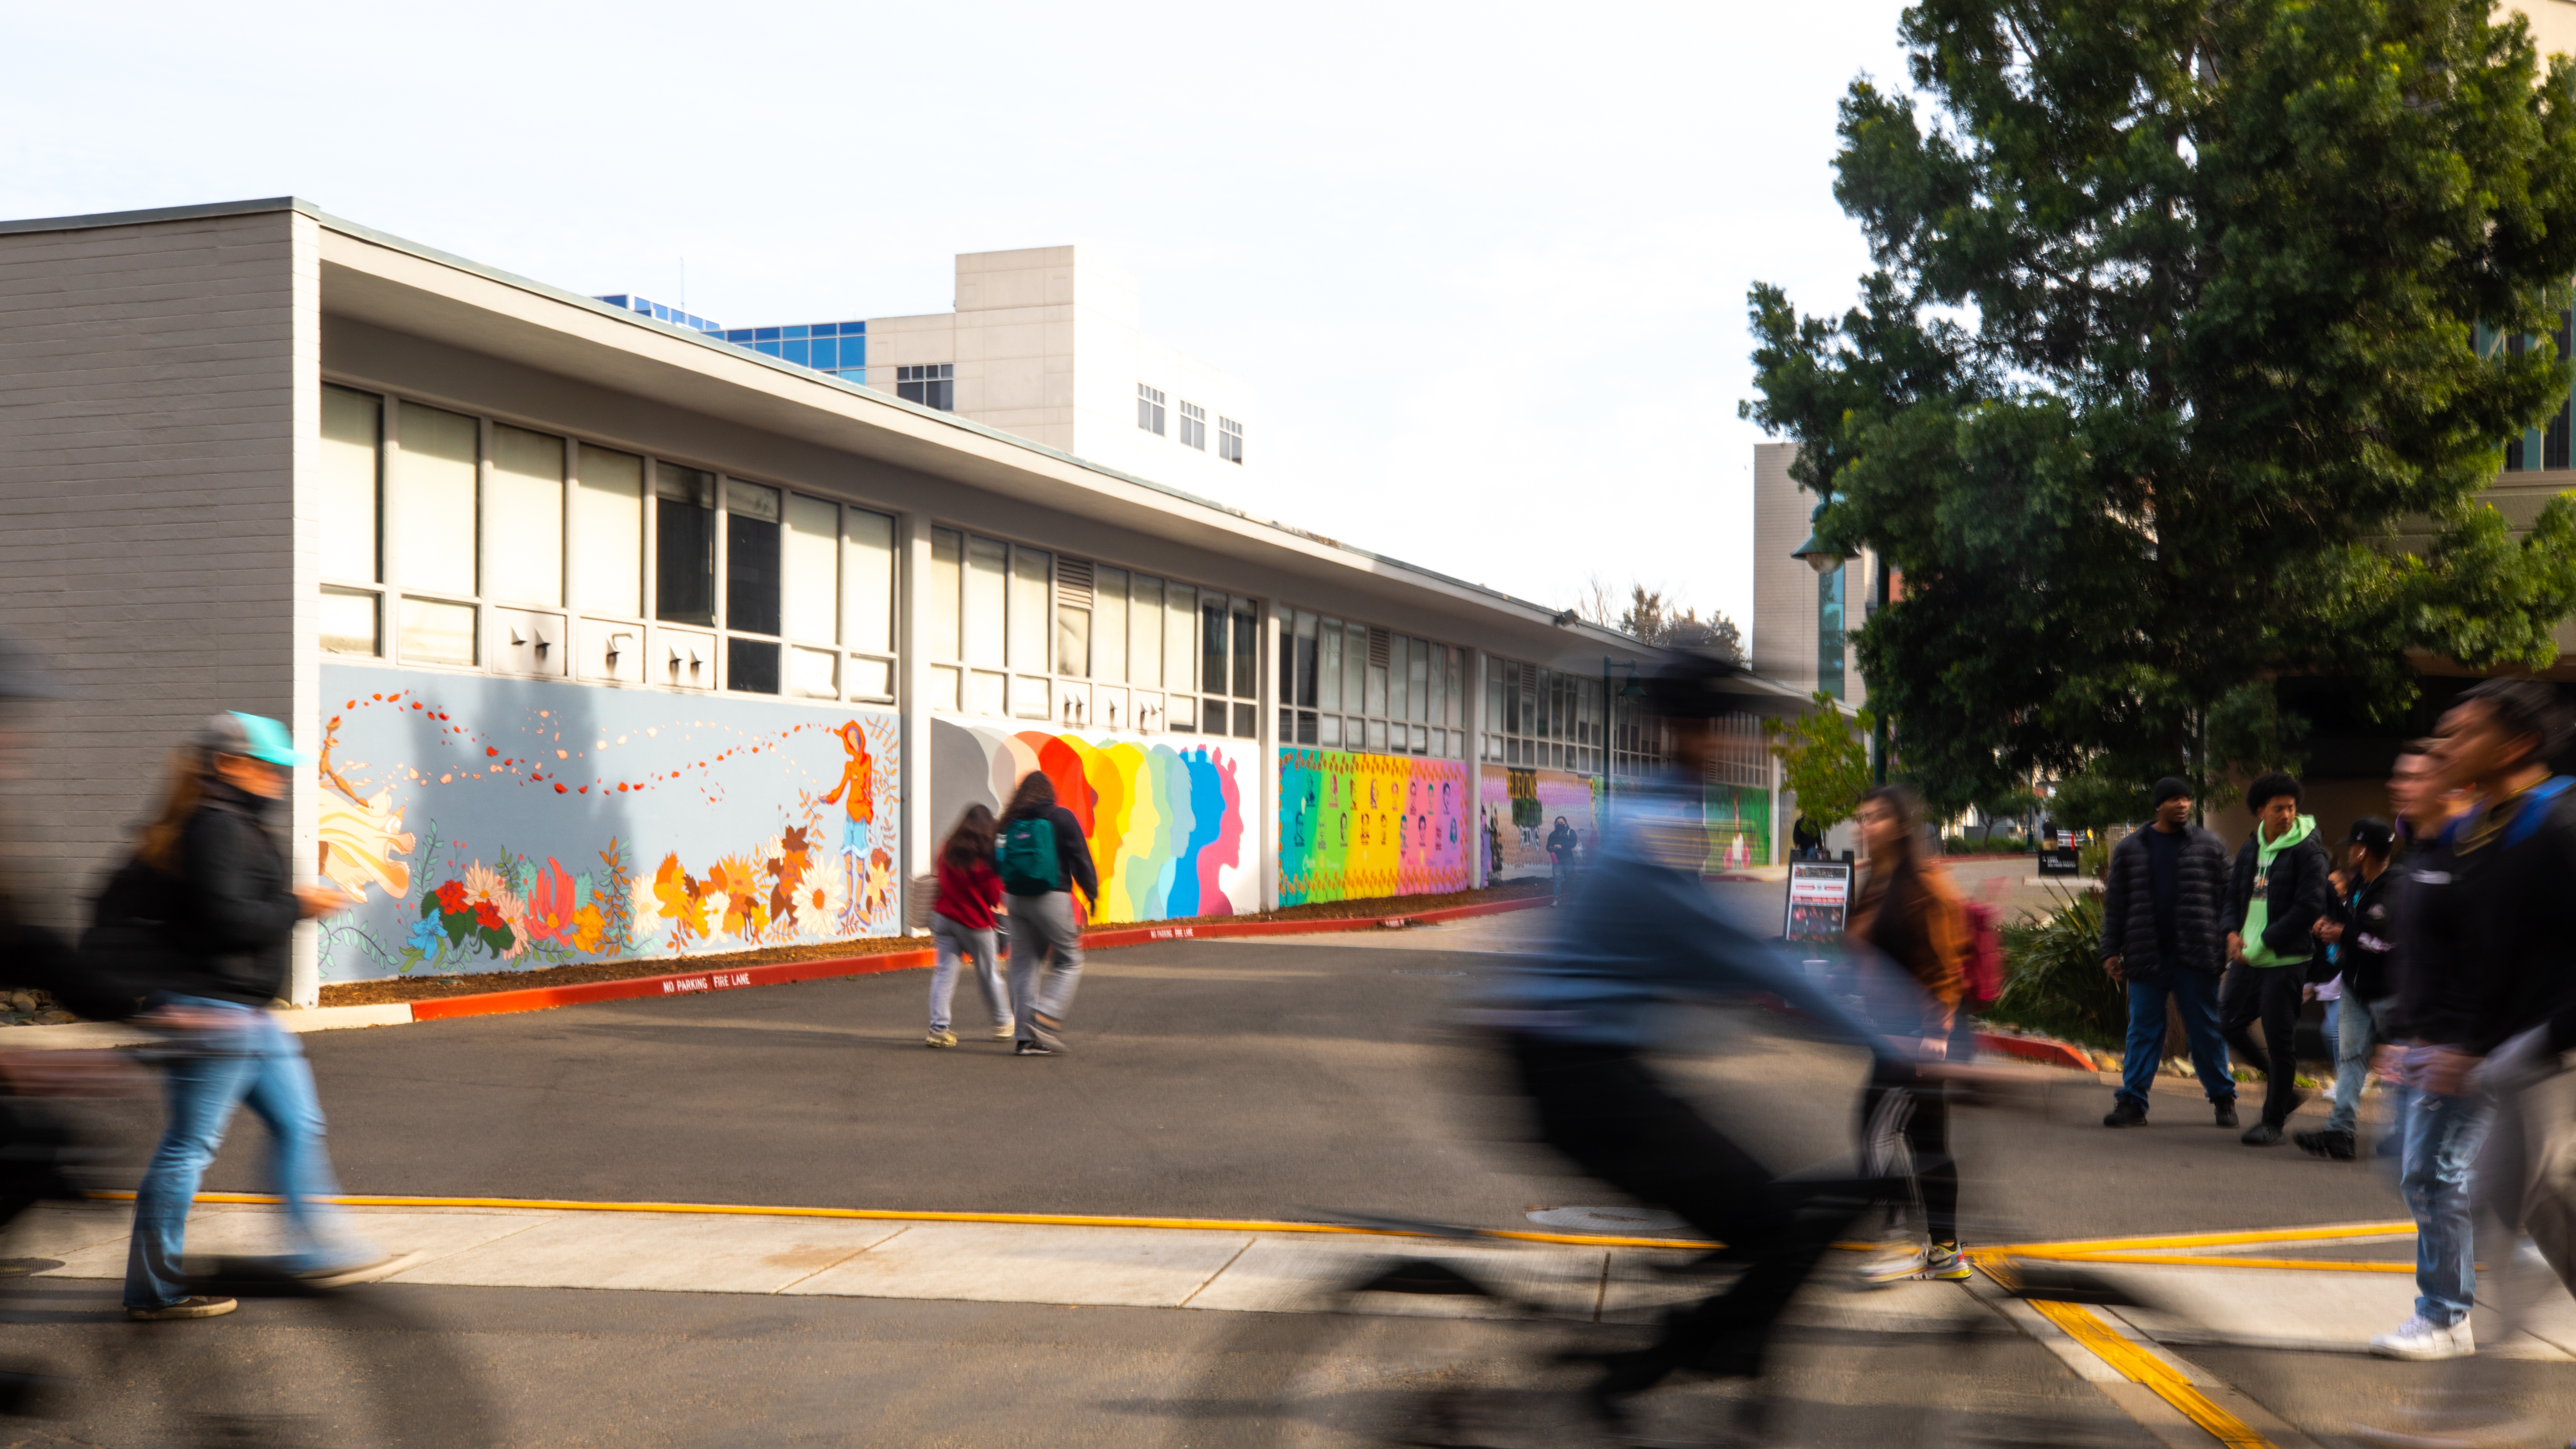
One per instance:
(2181, 367)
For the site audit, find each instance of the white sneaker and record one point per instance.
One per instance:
(1005, 1031)
(1894, 1266)
(2421, 1342)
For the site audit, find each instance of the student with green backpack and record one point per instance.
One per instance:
(1042, 856)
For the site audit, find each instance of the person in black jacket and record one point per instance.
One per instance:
(2273, 906)
(1046, 935)
(232, 910)
(2361, 923)
(2161, 900)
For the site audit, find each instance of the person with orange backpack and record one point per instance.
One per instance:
(2162, 900)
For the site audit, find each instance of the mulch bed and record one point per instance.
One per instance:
(424, 988)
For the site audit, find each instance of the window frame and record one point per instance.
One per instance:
(1365, 715)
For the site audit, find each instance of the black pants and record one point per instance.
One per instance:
(1603, 1109)
(1921, 1115)
(2272, 994)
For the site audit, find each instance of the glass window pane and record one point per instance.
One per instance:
(351, 480)
(1032, 580)
(1330, 734)
(814, 673)
(1031, 696)
(1377, 735)
(1109, 626)
(1455, 694)
(1247, 722)
(874, 679)
(813, 569)
(1073, 642)
(1397, 695)
(523, 518)
(1355, 669)
(945, 681)
(608, 532)
(867, 584)
(947, 578)
(1181, 646)
(1145, 634)
(1212, 646)
(987, 600)
(1306, 661)
(1328, 664)
(1417, 673)
(684, 545)
(751, 666)
(1375, 700)
(752, 562)
(1247, 650)
(1185, 713)
(436, 524)
(436, 632)
(349, 622)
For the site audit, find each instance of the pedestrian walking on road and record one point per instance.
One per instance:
(2163, 898)
(1042, 857)
(2361, 929)
(232, 906)
(1805, 839)
(1909, 913)
(961, 925)
(2273, 905)
(1563, 846)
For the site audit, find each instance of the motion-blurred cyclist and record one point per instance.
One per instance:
(1576, 1022)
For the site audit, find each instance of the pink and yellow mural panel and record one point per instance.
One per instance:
(1520, 807)
(1359, 826)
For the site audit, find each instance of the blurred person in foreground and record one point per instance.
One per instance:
(1909, 914)
(231, 906)
(2361, 928)
(1576, 1021)
(2163, 897)
(2273, 905)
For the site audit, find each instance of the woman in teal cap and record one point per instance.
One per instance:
(231, 910)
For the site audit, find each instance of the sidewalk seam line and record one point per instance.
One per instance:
(1219, 1273)
(836, 1262)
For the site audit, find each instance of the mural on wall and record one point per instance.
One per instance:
(1355, 826)
(506, 825)
(1739, 826)
(1168, 820)
(1519, 808)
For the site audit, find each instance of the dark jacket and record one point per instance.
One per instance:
(2368, 952)
(1072, 852)
(2297, 889)
(2129, 906)
(2518, 957)
(239, 909)
(1563, 841)
(2434, 996)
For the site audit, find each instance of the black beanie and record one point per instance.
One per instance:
(2168, 788)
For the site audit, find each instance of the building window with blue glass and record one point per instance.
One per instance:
(1829, 632)
(933, 385)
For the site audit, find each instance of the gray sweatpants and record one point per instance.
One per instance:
(1044, 934)
(955, 941)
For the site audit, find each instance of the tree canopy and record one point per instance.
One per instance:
(1824, 759)
(2180, 369)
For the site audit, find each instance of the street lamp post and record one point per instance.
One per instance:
(1824, 559)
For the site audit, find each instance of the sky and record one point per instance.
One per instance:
(1484, 265)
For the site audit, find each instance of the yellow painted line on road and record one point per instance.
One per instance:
(2320, 1234)
(2169, 1260)
(1060, 1220)
(2141, 1367)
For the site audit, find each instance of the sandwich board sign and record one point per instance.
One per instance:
(1820, 895)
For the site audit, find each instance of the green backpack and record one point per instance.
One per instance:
(1030, 866)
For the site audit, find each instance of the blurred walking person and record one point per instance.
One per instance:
(1042, 857)
(233, 906)
(2361, 929)
(962, 928)
(2273, 905)
(1563, 846)
(1909, 913)
(2164, 896)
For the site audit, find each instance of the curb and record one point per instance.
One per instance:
(2047, 1051)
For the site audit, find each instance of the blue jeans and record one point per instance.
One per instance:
(250, 1060)
(2196, 992)
(2356, 1031)
(2442, 1139)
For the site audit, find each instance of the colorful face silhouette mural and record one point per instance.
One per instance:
(1357, 826)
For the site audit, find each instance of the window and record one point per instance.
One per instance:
(1193, 426)
(1229, 440)
(813, 567)
(436, 499)
(933, 385)
(684, 545)
(1348, 686)
(867, 601)
(752, 585)
(608, 532)
(1149, 409)
(353, 486)
(523, 514)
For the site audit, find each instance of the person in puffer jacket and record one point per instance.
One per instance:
(2273, 907)
(2162, 900)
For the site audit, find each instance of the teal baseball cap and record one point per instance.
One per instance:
(254, 735)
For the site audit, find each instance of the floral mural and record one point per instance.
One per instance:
(500, 825)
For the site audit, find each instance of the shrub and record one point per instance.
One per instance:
(2053, 978)
(2094, 859)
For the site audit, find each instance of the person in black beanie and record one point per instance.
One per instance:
(2161, 902)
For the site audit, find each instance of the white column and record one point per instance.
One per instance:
(1272, 639)
(303, 705)
(1477, 662)
(912, 690)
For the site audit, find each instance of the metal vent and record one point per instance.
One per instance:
(1073, 582)
(1379, 647)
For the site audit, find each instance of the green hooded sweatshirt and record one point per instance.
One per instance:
(2258, 912)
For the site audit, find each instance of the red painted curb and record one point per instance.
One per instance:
(780, 973)
(2035, 1049)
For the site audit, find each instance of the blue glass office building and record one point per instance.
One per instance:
(839, 348)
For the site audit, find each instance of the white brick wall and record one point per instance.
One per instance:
(154, 382)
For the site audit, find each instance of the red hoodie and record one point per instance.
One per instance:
(968, 896)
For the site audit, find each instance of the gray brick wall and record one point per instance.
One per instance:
(155, 383)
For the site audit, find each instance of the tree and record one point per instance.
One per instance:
(1824, 758)
(2183, 363)
(1650, 617)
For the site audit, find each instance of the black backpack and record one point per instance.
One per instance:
(132, 947)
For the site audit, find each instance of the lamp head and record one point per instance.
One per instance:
(1818, 556)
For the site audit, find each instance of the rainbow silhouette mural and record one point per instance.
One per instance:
(1167, 819)
(1355, 826)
